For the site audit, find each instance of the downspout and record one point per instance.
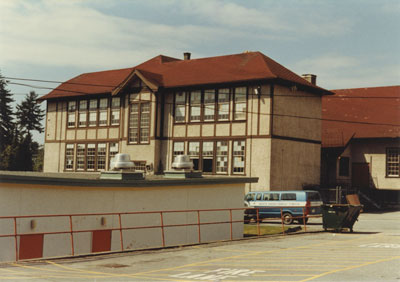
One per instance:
(251, 137)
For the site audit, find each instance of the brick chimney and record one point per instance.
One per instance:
(186, 56)
(312, 78)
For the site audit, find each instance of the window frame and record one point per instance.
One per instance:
(83, 111)
(140, 104)
(239, 102)
(72, 157)
(180, 104)
(388, 162)
(115, 109)
(233, 157)
(228, 102)
(71, 112)
(207, 104)
(193, 105)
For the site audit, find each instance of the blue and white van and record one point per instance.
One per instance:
(288, 204)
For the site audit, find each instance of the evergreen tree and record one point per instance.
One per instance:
(6, 116)
(23, 156)
(29, 114)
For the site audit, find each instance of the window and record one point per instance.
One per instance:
(240, 103)
(82, 113)
(145, 123)
(69, 156)
(288, 196)
(115, 110)
(180, 107)
(113, 150)
(80, 156)
(393, 162)
(101, 156)
(344, 165)
(222, 157)
(238, 157)
(195, 105)
(91, 156)
(93, 112)
(208, 156)
(139, 165)
(194, 154)
(223, 104)
(103, 104)
(209, 105)
(133, 123)
(71, 113)
(179, 149)
(139, 122)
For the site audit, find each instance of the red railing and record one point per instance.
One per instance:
(162, 226)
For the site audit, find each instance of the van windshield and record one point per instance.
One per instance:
(249, 197)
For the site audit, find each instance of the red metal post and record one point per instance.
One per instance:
(120, 232)
(304, 220)
(16, 239)
(230, 214)
(162, 229)
(72, 235)
(283, 224)
(198, 224)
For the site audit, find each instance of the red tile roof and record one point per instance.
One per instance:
(360, 107)
(169, 72)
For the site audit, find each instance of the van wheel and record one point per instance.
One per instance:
(287, 218)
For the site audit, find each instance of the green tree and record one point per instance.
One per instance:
(23, 155)
(6, 116)
(29, 114)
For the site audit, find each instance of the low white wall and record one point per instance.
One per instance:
(18, 199)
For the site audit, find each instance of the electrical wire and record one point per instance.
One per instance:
(247, 112)
(105, 85)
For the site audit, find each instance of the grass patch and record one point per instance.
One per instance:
(251, 230)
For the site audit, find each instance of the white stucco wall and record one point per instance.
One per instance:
(29, 200)
(373, 151)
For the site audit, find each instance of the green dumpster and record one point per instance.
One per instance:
(337, 217)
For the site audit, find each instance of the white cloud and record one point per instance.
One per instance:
(327, 62)
(337, 72)
(68, 33)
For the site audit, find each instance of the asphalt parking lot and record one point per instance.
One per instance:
(371, 253)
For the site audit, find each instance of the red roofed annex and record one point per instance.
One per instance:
(233, 115)
(362, 152)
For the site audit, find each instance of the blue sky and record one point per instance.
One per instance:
(346, 43)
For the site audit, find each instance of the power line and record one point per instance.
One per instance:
(247, 112)
(104, 85)
(54, 81)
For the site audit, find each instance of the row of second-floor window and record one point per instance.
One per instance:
(214, 156)
(211, 105)
(393, 162)
(94, 112)
(89, 156)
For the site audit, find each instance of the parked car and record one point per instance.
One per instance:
(290, 205)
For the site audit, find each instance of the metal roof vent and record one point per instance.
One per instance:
(182, 162)
(122, 161)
